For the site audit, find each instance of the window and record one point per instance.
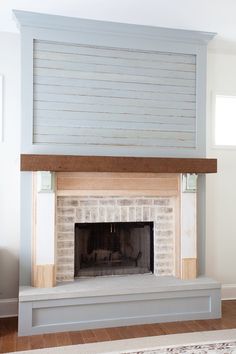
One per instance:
(225, 120)
(1, 108)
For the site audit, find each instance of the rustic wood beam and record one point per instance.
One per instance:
(70, 163)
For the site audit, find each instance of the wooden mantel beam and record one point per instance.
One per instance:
(70, 163)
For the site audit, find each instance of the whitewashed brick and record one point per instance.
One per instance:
(110, 212)
(102, 214)
(88, 202)
(165, 226)
(124, 214)
(65, 260)
(117, 212)
(132, 213)
(65, 277)
(65, 268)
(67, 201)
(115, 209)
(65, 244)
(164, 210)
(164, 217)
(161, 201)
(146, 213)
(61, 236)
(79, 214)
(65, 227)
(107, 201)
(87, 215)
(144, 201)
(125, 202)
(139, 214)
(65, 219)
(94, 214)
(65, 211)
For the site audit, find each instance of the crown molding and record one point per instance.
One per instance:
(55, 22)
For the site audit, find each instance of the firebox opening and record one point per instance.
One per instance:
(113, 248)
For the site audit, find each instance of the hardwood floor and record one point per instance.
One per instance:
(9, 340)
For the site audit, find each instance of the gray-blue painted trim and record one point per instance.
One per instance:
(39, 20)
(117, 35)
(56, 315)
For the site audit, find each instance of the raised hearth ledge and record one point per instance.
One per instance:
(116, 301)
(115, 285)
(71, 163)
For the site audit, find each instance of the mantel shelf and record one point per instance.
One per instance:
(71, 163)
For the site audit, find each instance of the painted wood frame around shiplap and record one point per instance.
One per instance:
(115, 64)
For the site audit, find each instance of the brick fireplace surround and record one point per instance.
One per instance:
(71, 210)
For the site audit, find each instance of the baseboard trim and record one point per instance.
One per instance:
(228, 292)
(8, 307)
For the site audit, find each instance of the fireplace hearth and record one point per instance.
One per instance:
(113, 248)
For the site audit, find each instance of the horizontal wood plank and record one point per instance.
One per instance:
(112, 93)
(115, 77)
(113, 69)
(162, 118)
(117, 193)
(115, 61)
(111, 101)
(116, 182)
(113, 52)
(112, 109)
(111, 124)
(71, 163)
(111, 142)
(109, 85)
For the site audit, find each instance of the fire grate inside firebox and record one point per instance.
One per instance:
(113, 248)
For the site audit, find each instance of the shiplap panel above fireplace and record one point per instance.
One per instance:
(101, 88)
(91, 95)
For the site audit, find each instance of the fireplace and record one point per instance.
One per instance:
(96, 215)
(113, 248)
(116, 235)
(114, 150)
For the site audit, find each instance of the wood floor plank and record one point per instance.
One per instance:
(91, 340)
(37, 342)
(157, 329)
(114, 333)
(23, 343)
(149, 330)
(9, 344)
(87, 334)
(50, 340)
(124, 333)
(174, 327)
(63, 338)
(101, 335)
(76, 338)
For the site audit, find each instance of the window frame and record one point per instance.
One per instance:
(213, 126)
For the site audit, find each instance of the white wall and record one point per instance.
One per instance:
(9, 171)
(221, 191)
